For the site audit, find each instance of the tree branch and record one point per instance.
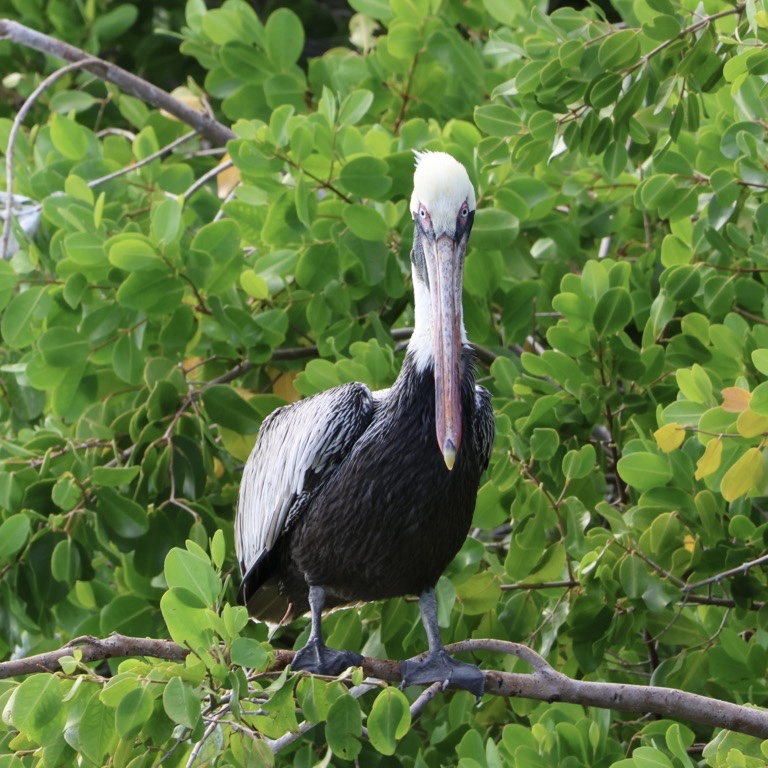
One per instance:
(94, 649)
(214, 131)
(545, 683)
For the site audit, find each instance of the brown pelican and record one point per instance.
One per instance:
(352, 495)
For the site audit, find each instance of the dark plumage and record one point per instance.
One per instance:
(356, 495)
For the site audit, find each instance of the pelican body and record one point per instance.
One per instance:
(352, 495)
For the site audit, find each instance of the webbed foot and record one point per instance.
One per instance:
(318, 658)
(439, 667)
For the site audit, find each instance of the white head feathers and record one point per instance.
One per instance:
(441, 184)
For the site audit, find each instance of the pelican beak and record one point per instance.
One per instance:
(444, 258)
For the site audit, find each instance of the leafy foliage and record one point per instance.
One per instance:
(616, 288)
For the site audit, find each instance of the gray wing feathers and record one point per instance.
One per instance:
(297, 447)
(485, 423)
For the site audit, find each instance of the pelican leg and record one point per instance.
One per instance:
(316, 656)
(437, 666)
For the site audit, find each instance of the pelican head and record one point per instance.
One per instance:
(443, 209)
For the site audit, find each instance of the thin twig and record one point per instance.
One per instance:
(15, 128)
(206, 177)
(162, 152)
(718, 577)
(205, 125)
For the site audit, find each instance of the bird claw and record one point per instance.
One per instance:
(439, 667)
(318, 658)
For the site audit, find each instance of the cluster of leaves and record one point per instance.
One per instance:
(615, 287)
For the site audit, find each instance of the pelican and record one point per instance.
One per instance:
(352, 495)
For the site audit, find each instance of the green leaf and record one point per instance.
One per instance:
(247, 652)
(366, 177)
(228, 409)
(283, 38)
(615, 159)
(497, 120)
(613, 311)
(648, 757)
(675, 251)
(354, 106)
(644, 471)
(114, 477)
(193, 573)
(124, 516)
(93, 732)
(389, 720)
(760, 360)
(180, 703)
(405, 39)
(63, 348)
(366, 223)
(128, 613)
(376, 9)
(14, 533)
(165, 222)
(69, 138)
(71, 101)
(318, 266)
(65, 562)
(36, 707)
(114, 22)
(478, 594)
(633, 576)
(494, 229)
(695, 384)
(344, 728)
(133, 252)
(619, 49)
(186, 619)
(544, 443)
(133, 712)
(604, 90)
(682, 282)
(18, 323)
(579, 463)
(127, 359)
(151, 291)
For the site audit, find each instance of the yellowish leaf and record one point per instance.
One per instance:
(227, 179)
(362, 32)
(670, 436)
(193, 368)
(751, 424)
(282, 386)
(187, 97)
(238, 445)
(689, 543)
(710, 459)
(743, 476)
(735, 399)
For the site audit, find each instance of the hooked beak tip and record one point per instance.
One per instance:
(449, 454)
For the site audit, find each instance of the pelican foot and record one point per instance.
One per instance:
(318, 658)
(439, 667)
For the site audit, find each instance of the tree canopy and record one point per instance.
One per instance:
(174, 269)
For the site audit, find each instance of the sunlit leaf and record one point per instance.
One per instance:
(709, 461)
(670, 436)
(744, 475)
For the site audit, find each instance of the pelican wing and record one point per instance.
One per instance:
(298, 447)
(485, 425)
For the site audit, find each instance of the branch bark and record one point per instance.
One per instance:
(212, 129)
(545, 683)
